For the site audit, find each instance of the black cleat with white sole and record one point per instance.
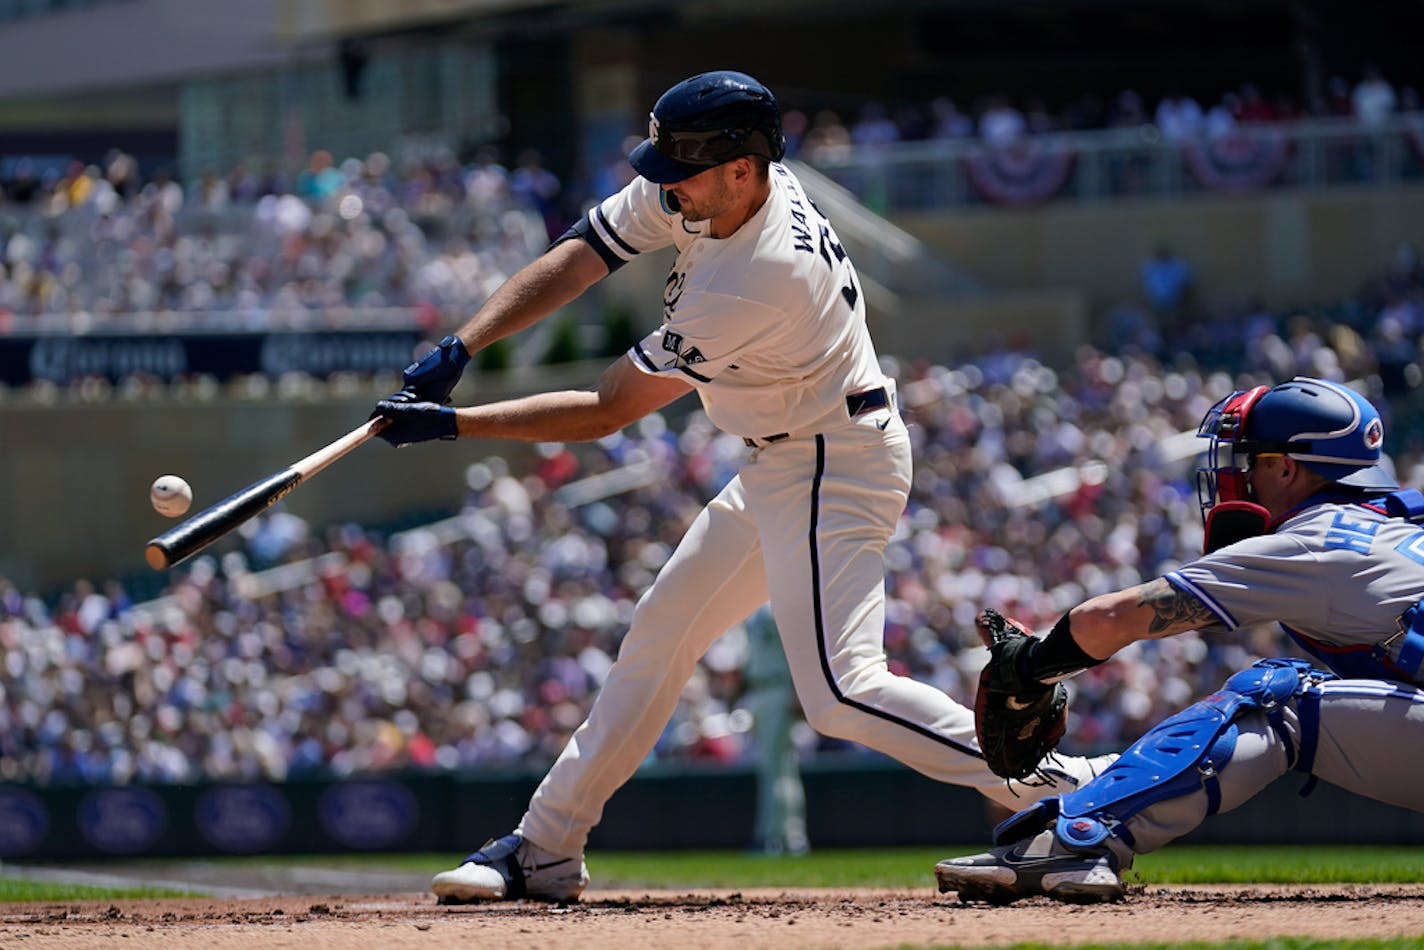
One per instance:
(1040, 866)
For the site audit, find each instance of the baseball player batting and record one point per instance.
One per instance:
(1304, 528)
(764, 317)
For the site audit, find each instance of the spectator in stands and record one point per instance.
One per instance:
(827, 137)
(947, 122)
(1251, 106)
(533, 186)
(1000, 123)
(1128, 110)
(874, 127)
(1167, 281)
(793, 125)
(1220, 119)
(320, 179)
(1178, 116)
(1373, 99)
(1037, 119)
(1338, 97)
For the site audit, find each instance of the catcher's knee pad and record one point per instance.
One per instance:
(1182, 754)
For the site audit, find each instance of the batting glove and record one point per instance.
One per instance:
(413, 422)
(432, 377)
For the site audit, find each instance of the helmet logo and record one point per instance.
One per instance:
(653, 128)
(1374, 434)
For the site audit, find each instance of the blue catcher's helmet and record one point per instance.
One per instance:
(707, 120)
(1330, 429)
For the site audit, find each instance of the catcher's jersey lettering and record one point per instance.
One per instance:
(1412, 548)
(1348, 535)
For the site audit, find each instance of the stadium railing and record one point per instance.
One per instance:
(1133, 163)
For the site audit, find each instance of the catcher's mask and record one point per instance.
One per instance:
(1329, 429)
(1222, 475)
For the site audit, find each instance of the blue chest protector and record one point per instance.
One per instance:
(1181, 755)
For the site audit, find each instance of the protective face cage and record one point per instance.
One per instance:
(1229, 455)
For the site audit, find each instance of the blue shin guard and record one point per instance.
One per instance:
(1182, 754)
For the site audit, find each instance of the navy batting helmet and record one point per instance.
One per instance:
(708, 120)
(1330, 429)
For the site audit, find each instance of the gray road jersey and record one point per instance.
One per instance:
(1336, 576)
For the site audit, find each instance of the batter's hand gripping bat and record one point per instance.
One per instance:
(213, 522)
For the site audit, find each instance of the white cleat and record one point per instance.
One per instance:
(1074, 771)
(512, 868)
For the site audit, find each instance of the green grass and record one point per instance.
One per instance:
(17, 891)
(1186, 864)
(1279, 943)
(834, 867)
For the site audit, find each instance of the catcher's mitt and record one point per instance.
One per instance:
(1017, 722)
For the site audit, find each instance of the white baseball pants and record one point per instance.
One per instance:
(805, 522)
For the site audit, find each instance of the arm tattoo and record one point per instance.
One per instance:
(1172, 607)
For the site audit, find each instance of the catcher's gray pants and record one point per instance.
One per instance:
(1368, 733)
(805, 522)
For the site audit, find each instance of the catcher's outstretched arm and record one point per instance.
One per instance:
(1150, 611)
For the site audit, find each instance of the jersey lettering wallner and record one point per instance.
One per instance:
(768, 324)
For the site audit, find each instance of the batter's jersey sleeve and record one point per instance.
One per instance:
(632, 222)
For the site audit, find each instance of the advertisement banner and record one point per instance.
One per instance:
(66, 359)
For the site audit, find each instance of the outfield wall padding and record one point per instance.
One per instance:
(663, 807)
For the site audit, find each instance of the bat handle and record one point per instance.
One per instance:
(325, 455)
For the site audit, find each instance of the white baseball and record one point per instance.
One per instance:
(170, 495)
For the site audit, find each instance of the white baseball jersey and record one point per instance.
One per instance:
(768, 324)
(1336, 576)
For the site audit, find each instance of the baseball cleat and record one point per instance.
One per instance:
(1074, 771)
(1034, 867)
(512, 868)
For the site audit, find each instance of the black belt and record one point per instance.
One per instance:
(856, 404)
(868, 401)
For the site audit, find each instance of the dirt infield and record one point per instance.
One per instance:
(717, 920)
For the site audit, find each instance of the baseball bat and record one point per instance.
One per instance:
(201, 530)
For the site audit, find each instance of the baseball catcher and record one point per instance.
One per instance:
(1018, 719)
(1336, 560)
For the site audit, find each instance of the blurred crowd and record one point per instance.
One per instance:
(1000, 119)
(481, 641)
(258, 246)
(256, 249)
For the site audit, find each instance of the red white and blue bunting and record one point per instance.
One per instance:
(1027, 172)
(1238, 162)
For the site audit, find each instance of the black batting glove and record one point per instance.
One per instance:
(432, 377)
(412, 422)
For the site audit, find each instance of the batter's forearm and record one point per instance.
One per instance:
(569, 416)
(554, 280)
